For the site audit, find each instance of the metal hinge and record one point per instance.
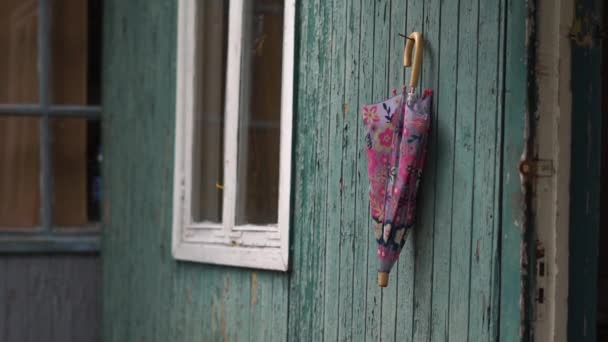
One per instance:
(537, 168)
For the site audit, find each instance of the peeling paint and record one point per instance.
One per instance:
(254, 288)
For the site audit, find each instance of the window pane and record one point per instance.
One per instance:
(260, 113)
(76, 52)
(19, 172)
(76, 156)
(19, 50)
(208, 165)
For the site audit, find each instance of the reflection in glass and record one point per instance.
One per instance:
(76, 52)
(260, 113)
(19, 172)
(76, 171)
(208, 152)
(18, 51)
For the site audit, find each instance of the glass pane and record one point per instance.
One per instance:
(19, 51)
(76, 52)
(260, 113)
(208, 152)
(19, 172)
(76, 157)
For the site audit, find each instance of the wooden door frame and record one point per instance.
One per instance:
(514, 230)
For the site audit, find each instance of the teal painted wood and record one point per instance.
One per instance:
(512, 204)
(380, 91)
(424, 241)
(482, 311)
(464, 171)
(404, 274)
(447, 51)
(348, 181)
(586, 163)
(450, 279)
(148, 295)
(335, 118)
(320, 228)
(300, 305)
(395, 17)
(362, 260)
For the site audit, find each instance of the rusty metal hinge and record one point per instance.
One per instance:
(537, 168)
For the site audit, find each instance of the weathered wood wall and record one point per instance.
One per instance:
(52, 298)
(446, 285)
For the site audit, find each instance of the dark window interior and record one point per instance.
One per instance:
(95, 11)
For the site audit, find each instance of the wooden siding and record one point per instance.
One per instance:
(447, 285)
(51, 298)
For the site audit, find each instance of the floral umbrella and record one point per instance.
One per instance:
(396, 137)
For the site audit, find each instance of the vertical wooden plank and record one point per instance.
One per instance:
(110, 283)
(443, 134)
(300, 291)
(310, 218)
(280, 308)
(349, 184)
(463, 172)
(512, 201)
(117, 206)
(405, 266)
(363, 264)
(260, 306)
(164, 15)
(397, 293)
(334, 190)
(424, 242)
(236, 301)
(483, 247)
(380, 91)
(324, 27)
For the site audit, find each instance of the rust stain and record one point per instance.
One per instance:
(187, 296)
(254, 288)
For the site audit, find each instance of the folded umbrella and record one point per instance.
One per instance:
(396, 138)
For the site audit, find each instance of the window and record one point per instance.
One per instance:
(233, 132)
(49, 125)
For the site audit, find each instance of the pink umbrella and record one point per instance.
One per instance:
(396, 135)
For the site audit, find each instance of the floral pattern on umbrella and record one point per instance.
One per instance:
(396, 135)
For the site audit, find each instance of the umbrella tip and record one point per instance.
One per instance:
(383, 279)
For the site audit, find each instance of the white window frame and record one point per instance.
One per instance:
(255, 246)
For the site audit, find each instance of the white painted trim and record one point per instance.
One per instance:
(286, 126)
(256, 246)
(183, 108)
(551, 194)
(231, 132)
(253, 257)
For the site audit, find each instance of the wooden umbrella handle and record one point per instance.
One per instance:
(415, 39)
(382, 279)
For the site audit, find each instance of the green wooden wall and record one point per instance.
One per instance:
(447, 285)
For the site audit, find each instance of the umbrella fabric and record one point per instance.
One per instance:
(396, 137)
